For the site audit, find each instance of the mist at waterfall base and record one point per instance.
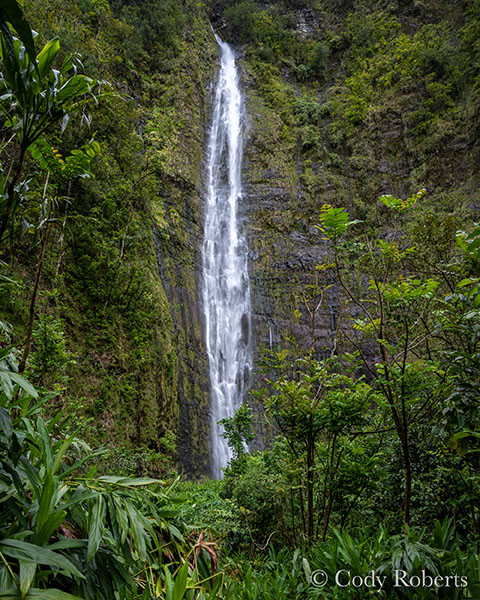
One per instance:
(226, 287)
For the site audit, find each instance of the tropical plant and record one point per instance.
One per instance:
(34, 97)
(414, 565)
(458, 327)
(238, 431)
(65, 533)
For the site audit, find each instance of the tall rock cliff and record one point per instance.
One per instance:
(120, 293)
(345, 101)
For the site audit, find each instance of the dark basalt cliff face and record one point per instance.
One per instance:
(381, 115)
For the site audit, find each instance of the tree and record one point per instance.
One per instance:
(457, 327)
(319, 411)
(392, 313)
(238, 431)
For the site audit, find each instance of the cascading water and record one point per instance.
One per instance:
(226, 287)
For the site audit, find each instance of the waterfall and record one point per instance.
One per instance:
(226, 286)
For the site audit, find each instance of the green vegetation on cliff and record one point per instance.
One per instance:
(108, 321)
(346, 102)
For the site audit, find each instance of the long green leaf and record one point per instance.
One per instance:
(117, 512)
(68, 543)
(61, 451)
(24, 384)
(34, 594)
(180, 585)
(7, 53)
(95, 531)
(30, 552)
(6, 384)
(47, 55)
(138, 530)
(32, 474)
(79, 497)
(49, 527)
(78, 85)
(168, 584)
(45, 443)
(11, 11)
(27, 573)
(5, 422)
(47, 500)
(129, 482)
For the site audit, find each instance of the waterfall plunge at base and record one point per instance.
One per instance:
(226, 287)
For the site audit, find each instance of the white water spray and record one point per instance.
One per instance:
(226, 287)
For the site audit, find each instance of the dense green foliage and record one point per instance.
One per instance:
(389, 427)
(95, 537)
